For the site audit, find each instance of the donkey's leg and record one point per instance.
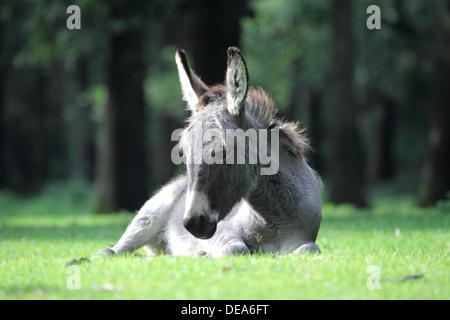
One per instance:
(149, 221)
(236, 248)
(227, 244)
(309, 247)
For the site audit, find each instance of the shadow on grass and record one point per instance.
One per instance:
(385, 216)
(109, 231)
(387, 223)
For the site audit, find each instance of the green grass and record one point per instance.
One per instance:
(39, 235)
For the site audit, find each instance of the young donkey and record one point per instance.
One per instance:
(220, 207)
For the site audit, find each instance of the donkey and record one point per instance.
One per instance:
(220, 209)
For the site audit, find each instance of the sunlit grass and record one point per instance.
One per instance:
(397, 247)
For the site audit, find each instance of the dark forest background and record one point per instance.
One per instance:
(97, 106)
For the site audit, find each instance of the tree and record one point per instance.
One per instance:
(347, 162)
(45, 79)
(383, 165)
(316, 129)
(214, 29)
(435, 183)
(208, 29)
(2, 102)
(73, 85)
(121, 176)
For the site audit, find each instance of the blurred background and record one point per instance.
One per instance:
(96, 107)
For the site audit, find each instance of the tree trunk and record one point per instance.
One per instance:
(122, 161)
(210, 28)
(293, 110)
(26, 148)
(3, 180)
(347, 172)
(163, 168)
(316, 129)
(383, 162)
(435, 183)
(77, 122)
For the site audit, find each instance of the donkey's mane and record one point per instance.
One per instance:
(261, 110)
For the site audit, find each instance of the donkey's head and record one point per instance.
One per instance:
(214, 185)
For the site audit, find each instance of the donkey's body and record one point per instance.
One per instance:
(233, 205)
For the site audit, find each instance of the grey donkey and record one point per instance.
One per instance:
(222, 206)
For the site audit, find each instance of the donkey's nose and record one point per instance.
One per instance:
(200, 226)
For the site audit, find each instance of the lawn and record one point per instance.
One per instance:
(395, 250)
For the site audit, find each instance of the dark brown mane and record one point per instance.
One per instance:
(262, 109)
(214, 93)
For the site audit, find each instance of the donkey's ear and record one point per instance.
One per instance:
(191, 85)
(236, 81)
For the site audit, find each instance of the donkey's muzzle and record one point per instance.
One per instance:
(200, 226)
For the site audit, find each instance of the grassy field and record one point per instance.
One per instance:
(393, 251)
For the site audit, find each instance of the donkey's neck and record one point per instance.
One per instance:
(277, 198)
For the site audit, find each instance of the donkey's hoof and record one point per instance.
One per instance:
(202, 253)
(237, 249)
(307, 248)
(104, 252)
